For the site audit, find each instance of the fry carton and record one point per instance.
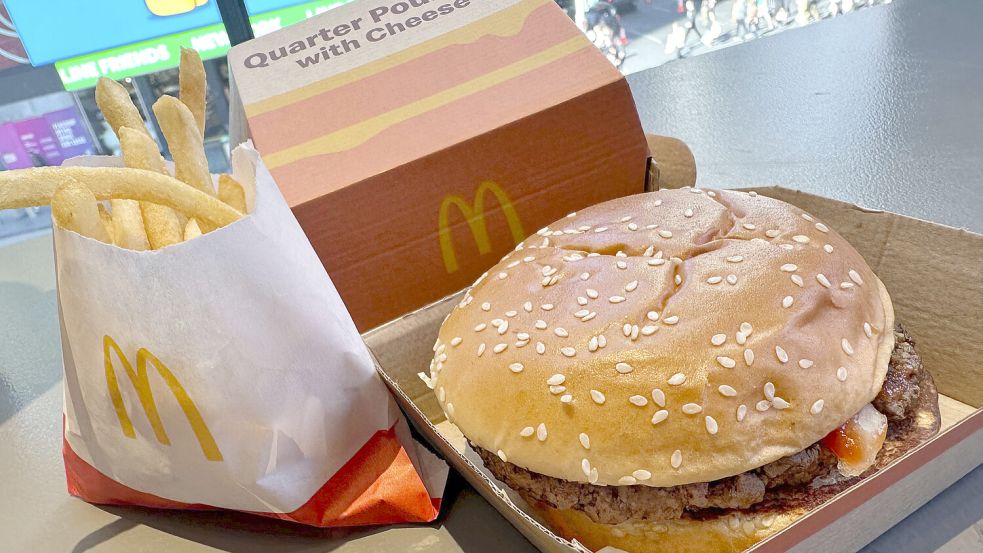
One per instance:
(225, 372)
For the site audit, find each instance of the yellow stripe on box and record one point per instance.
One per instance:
(507, 22)
(359, 133)
(141, 383)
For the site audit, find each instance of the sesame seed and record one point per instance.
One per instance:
(593, 475)
(481, 349)
(659, 397)
(655, 262)
(780, 353)
(592, 293)
(632, 226)
(626, 218)
(585, 466)
(626, 329)
(616, 299)
(746, 328)
(649, 251)
(623, 368)
(503, 275)
(763, 405)
(556, 379)
(450, 409)
(568, 351)
(688, 213)
(641, 474)
(769, 390)
(631, 286)
(711, 424)
(718, 339)
(817, 407)
(676, 379)
(620, 254)
(516, 367)
(657, 203)
(807, 217)
(805, 363)
(540, 324)
(841, 374)
(726, 362)
(528, 259)
(787, 301)
(522, 336)
(867, 330)
(695, 190)
(585, 440)
(779, 403)
(441, 394)
(513, 264)
(753, 194)
(556, 390)
(821, 227)
(735, 258)
(847, 348)
(801, 239)
(543, 231)
(741, 412)
(600, 229)
(486, 306)
(527, 431)
(727, 391)
(671, 320)
(584, 276)
(823, 280)
(714, 280)
(479, 327)
(621, 265)
(521, 343)
(527, 306)
(592, 344)
(589, 316)
(456, 341)
(503, 328)
(597, 396)
(788, 247)
(749, 357)
(732, 279)
(678, 279)
(828, 248)
(772, 233)
(649, 330)
(561, 332)
(660, 416)
(640, 401)
(846, 285)
(578, 314)
(541, 432)
(676, 459)
(499, 348)
(501, 455)
(626, 481)
(789, 267)
(740, 337)
(665, 234)
(855, 277)
(602, 341)
(797, 280)
(634, 332)
(546, 307)
(540, 348)
(566, 398)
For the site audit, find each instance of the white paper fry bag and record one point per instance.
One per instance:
(225, 372)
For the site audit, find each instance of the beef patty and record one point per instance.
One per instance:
(770, 484)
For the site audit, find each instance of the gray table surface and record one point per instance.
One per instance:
(881, 108)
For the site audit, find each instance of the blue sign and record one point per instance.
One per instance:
(53, 30)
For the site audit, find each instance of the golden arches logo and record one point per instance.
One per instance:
(141, 384)
(474, 215)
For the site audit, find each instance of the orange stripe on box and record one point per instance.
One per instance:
(424, 76)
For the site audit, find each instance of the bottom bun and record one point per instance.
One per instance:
(736, 530)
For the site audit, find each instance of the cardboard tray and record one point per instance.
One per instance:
(934, 275)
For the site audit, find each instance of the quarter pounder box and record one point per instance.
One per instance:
(418, 141)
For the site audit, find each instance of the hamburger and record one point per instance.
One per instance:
(682, 370)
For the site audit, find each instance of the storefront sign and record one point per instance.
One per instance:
(149, 56)
(38, 138)
(71, 136)
(13, 155)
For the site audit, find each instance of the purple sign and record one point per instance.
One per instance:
(13, 155)
(70, 134)
(38, 138)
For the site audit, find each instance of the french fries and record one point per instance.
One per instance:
(231, 192)
(185, 142)
(73, 207)
(107, 221)
(162, 225)
(191, 230)
(128, 230)
(116, 106)
(192, 85)
(34, 187)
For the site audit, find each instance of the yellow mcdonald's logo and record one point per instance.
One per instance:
(146, 396)
(474, 215)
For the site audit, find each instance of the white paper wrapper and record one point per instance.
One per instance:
(267, 390)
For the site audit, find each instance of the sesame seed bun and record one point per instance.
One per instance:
(665, 338)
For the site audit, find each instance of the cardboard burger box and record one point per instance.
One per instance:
(418, 141)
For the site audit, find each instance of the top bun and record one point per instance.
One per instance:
(665, 338)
